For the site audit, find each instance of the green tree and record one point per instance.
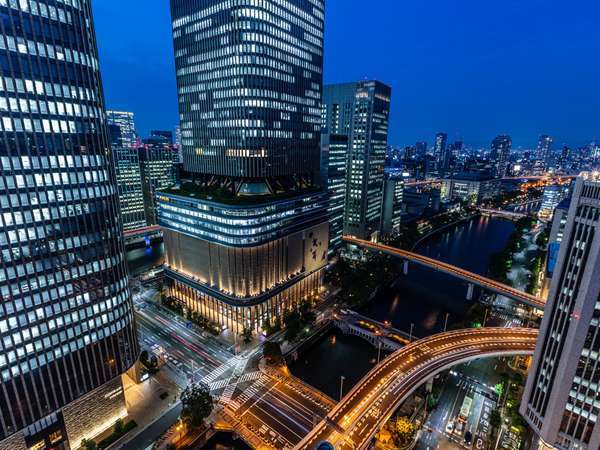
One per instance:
(405, 430)
(247, 335)
(144, 357)
(197, 404)
(119, 426)
(495, 420)
(293, 324)
(88, 444)
(307, 316)
(267, 327)
(272, 351)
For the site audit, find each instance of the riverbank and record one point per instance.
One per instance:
(429, 300)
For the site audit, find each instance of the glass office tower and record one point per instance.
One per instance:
(561, 401)
(246, 234)
(129, 177)
(67, 331)
(361, 112)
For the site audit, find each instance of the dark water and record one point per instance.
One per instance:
(423, 297)
(141, 259)
(333, 356)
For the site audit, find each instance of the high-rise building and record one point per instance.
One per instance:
(67, 331)
(361, 111)
(334, 159)
(440, 151)
(178, 144)
(561, 400)
(168, 135)
(551, 197)
(421, 149)
(158, 172)
(543, 154)
(500, 155)
(246, 235)
(124, 121)
(391, 210)
(129, 177)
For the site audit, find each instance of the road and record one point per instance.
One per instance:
(476, 380)
(353, 422)
(470, 277)
(185, 350)
(278, 411)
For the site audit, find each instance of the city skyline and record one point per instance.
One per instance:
(440, 84)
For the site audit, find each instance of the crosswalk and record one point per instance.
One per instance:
(249, 393)
(220, 384)
(216, 373)
(239, 368)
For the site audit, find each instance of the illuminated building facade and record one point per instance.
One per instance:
(391, 210)
(157, 164)
(500, 155)
(246, 233)
(543, 154)
(67, 330)
(129, 176)
(561, 401)
(334, 161)
(361, 112)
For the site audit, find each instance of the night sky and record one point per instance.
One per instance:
(471, 68)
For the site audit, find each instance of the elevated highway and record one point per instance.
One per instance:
(470, 277)
(353, 422)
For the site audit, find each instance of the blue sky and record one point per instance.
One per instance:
(470, 68)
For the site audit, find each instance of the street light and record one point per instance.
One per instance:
(446, 321)
(342, 378)
(412, 325)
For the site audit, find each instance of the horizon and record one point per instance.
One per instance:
(442, 64)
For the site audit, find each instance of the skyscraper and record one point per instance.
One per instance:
(67, 330)
(361, 111)
(157, 162)
(500, 155)
(561, 401)
(441, 153)
(421, 149)
(129, 177)
(334, 160)
(124, 120)
(391, 210)
(246, 235)
(542, 154)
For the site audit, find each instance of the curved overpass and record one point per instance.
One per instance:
(440, 266)
(353, 422)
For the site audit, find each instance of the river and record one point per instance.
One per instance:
(422, 298)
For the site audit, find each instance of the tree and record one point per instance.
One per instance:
(267, 327)
(495, 419)
(307, 316)
(88, 444)
(293, 324)
(405, 430)
(119, 426)
(197, 404)
(144, 357)
(247, 335)
(272, 351)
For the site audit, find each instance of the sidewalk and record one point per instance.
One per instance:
(152, 413)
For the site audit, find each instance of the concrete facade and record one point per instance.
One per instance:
(561, 401)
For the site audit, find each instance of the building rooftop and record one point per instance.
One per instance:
(220, 195)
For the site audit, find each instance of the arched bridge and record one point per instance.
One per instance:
(470, 277)
(353, 422)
